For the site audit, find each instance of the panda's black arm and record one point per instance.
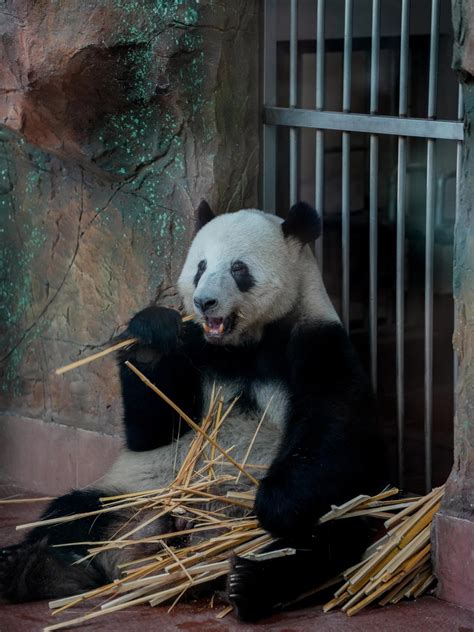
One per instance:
(161, 355)
(325, 455)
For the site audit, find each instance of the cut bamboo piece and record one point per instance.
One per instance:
(95, 356)
(17, 501)
(224, 612)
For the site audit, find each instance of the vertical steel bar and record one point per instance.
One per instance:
(429, 255)
(429, 245)
(346, 157)
(293, 99)
(404, 48)
(269, 98)
(319, 154)
(458, 195)
(373, 193)
(400, 263)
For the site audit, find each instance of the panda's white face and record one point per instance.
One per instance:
(241, 273)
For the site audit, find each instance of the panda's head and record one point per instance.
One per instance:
(245, 269)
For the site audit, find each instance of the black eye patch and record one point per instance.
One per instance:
(202, 265)
(242, 276)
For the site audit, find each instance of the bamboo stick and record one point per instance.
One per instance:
(16, 501)
(225, 612)
(95, 356)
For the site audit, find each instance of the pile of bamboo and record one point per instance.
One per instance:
(399, 564)
(396, 566)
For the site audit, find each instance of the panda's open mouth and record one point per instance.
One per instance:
(218, 327)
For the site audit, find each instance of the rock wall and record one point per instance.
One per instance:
(454, 525)
(117, 117)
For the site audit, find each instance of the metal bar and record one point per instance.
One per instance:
(320, 53)
(319, 152)
(404, 49)
(433, 70)
(364, 123)
(374, 57)
(319, 194)
(347, 68)
(429, 245)
(293, 99)
(400, 263)
(429, 254)
(346, 210)
(458, 196)
(400, 301)
(373, 194)
(269, 98)
(346, 166)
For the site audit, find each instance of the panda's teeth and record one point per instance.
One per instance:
(206, 328)
(221, 328)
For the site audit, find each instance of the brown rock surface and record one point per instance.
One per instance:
(118, 117)
(454, 527)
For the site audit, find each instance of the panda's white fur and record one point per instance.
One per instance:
(287, 280)
(287, 277)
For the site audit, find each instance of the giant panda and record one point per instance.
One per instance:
(266, 331)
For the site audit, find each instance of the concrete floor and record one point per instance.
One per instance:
(424, 615)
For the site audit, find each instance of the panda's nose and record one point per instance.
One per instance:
(205, 304)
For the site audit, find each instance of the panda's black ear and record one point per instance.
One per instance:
(303, 223)
(203, 215)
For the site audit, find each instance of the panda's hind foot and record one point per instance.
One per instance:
(12, 560)
(31, 571)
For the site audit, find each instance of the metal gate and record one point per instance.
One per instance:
(374, 125)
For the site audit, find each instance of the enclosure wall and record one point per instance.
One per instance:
(117, 118)
(454, 526)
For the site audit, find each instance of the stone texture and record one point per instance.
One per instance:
(454, 527)
(454, 549)
(118, 117)
(463, 24)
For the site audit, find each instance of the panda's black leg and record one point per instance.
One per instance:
(37, 569)
(33, 571)
(258, 588)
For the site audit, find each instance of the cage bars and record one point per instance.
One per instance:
(293, 99)
(346, 164)
(374, 125)
(373, 192)
(400, 257)
(319, 148)
(429, 244)
(269, 148)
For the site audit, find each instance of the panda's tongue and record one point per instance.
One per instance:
(214, 326)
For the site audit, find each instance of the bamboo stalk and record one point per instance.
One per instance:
(16, 501)
(95, 356)
(257, 430)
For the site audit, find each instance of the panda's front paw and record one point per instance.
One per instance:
(250, 589)
(157, 327)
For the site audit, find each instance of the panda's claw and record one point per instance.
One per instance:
(248, 590)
